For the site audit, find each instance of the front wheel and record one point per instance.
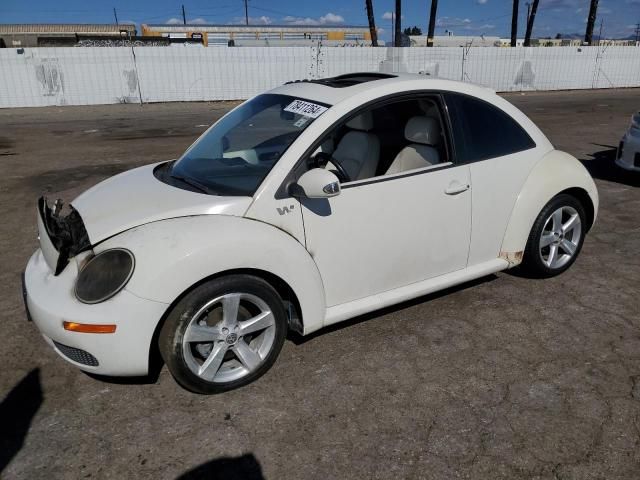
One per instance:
(556, 237)
(224, 334)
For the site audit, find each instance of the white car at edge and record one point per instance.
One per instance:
(310, 204)
(628, 155)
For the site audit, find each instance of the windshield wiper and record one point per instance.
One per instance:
(193, 183)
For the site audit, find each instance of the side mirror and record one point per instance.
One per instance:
(317, 183)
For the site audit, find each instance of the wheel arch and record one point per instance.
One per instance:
(557, 172)
(284, 290)
(583, 197)
(197, 249)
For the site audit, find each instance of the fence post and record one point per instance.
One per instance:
(135, 68)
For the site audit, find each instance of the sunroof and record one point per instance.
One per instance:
(350, 79)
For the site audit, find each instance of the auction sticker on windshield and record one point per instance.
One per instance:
(307, 109)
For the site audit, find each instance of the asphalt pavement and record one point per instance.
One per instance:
(505, 377)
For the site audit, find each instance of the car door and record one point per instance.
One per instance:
(390, 231)
(500, 154)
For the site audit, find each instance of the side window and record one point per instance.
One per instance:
(385, 139)
(482, 131)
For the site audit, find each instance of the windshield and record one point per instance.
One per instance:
(237, 153)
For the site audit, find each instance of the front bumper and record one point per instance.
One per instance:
(628, 154)
(50, 301)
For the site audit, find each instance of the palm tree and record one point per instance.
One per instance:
(591, 21)
(432, 22)
(398, 26)
(532, 16)
(514, 23)
(372, 23)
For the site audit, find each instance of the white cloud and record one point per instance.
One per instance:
(328, 19)
(263, 20)
(197, 21)
(464, 24)
(173, 21)
(390, 15)
(481, 2)
(452, 22)
(331, 18)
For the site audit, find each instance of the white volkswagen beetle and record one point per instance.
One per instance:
(310, 204)
(628, 156)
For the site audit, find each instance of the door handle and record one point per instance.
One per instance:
(456, 188)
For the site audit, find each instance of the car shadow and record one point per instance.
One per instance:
(299, 339)
(155, 367)
(245, 467)
(16, 413)
(601, 165)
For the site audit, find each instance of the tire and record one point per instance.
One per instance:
(557, 223)
(224, 334)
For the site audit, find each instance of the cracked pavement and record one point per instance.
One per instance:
(504, 377)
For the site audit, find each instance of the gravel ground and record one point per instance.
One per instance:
(504, 377)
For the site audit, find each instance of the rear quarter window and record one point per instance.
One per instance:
(482, 131)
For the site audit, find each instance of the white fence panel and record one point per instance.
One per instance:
(67, 76)
(562, 68)
(99, 75)
(496, 68)
(617, 67)
(187, 74)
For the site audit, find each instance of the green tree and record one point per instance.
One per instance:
(413, 31)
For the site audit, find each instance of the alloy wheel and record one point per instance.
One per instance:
(229, 337)
(560, 237)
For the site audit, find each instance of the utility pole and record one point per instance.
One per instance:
(637, 32)
(600, 34)
(593, 10)
(184, 17)
(528, 4)
(392, 34)
(531, 17)
(432, 23)
(398, 26)
(246, 12)
(115, 15)
(372, 23)
(514, 23)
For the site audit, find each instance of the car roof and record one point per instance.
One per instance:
(334, 90)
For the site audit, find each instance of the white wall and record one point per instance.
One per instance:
(88, 76)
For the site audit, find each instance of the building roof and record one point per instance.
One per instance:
(65, 28)
(252, 28)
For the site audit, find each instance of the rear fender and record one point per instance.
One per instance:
(556, 172)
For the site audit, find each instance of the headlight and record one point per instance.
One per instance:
(104, 275)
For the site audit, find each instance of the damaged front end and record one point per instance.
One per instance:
(61, 237)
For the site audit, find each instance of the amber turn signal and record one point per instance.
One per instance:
(88, 328)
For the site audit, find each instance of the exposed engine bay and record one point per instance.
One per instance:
(67, 233)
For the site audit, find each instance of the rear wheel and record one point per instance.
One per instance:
(224, 334)
(556, 237)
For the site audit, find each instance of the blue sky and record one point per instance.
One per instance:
(463, 17)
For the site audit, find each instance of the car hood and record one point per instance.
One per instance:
(137, 197)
